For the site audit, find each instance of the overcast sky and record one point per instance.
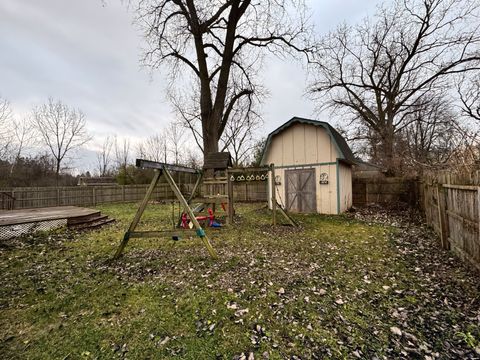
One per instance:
(87, 52)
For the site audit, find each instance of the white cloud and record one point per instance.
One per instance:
(87, 55)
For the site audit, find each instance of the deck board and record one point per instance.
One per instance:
(25, 216)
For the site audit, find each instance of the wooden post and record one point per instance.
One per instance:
(478, 204)
(442, 216)
(94, 200)
(123, 193)
(273, 196)
(230, 198)
(425, 199)
(200, 231)
(139, 213)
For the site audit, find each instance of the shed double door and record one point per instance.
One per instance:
(301, 190)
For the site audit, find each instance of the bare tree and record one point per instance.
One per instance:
(62, 129)
(122, 153)
(175, 136)
(154, 148)
(433, 136)
(104, 157)
(23, 136)
(192, 159)
(5, 128)
(209, 44)
(239, 135)
(257, 152)
(469, 92)
(376, 71)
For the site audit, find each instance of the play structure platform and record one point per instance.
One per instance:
(15, 223)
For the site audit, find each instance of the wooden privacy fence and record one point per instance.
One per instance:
(34, 197)
(245, 191)
(453, 212)
(382, 190)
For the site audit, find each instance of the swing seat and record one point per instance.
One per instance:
(215, 225)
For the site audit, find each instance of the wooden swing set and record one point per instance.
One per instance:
(159, 170)
(212, 198)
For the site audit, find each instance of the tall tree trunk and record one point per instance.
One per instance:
(210, 135)
(388, 144)
(57, 173)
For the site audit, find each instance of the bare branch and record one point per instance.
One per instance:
(61, 128)
(377, 72)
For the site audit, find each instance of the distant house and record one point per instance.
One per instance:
(313, 167)
(366, 170)
(96, 181)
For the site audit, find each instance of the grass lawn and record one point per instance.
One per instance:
(336, 287)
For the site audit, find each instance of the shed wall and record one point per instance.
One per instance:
(326, 193)
(345, 184)
(302, 144)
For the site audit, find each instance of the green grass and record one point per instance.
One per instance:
(343, 283)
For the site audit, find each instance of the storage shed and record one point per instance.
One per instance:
(313, 167)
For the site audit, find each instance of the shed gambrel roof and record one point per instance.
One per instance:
(344, 150)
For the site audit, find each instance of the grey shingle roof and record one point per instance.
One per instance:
(217, 161)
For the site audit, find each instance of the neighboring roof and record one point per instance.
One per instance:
(344, 150)
(217, 161)
(365, 164)
(102, 180)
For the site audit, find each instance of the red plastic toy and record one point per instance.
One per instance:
(210, 217)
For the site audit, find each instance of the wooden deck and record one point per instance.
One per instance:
(26, 216)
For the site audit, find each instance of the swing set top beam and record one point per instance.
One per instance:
(149, 164)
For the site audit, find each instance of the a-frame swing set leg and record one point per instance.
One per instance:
(139, 213)
(192, 195)
(183, 202)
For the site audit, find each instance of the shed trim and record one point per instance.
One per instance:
(337, 165)
(305, 165)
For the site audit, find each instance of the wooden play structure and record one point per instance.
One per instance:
(217, 180)
(255, 173)
(165, 169)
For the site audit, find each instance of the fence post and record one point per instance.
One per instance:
(273, 194)
(478, 204)
(425, 199)
(94, 197)
(230, 199)
(58, 196)
(366, 193)
(442, 216)
(123, 193)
